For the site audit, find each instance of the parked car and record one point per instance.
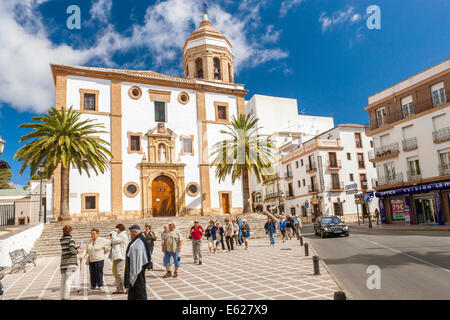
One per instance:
(330, 225)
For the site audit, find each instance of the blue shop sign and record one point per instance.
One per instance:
(415, 189)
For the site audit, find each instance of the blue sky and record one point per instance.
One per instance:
(319, 52)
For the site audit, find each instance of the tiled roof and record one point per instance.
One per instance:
(137, 73)
(14, 192)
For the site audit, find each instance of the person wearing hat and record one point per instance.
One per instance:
(172, 248)
(151, 238)
(137, 261)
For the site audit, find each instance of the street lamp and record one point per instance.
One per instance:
(364, 189)
(41, 169)
(2, 145)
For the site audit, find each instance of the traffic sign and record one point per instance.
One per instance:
(352, 191)
(351, 186)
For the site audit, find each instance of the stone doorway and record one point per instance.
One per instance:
(163, 197)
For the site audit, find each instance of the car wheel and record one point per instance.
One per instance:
(347, 234)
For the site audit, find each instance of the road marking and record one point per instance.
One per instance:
(407, 255)
(171, 287)
(34, 279)
(48, 283)
(12, 284)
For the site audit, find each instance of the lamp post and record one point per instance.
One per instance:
(41, 169)
(2, 145)
(364, 189)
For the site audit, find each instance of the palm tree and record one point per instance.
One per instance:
(62, 139)
(243, 151)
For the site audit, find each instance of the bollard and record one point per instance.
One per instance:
(301, 241)
(316, 264)
(306, 250)
(339, 295)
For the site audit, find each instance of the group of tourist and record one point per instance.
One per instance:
(234, 233)
(131, 259)
(289, 226)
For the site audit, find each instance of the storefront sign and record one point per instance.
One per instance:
(415, 189)
(351, 186)
(398, 209)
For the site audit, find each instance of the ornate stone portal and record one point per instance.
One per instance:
(162, 177)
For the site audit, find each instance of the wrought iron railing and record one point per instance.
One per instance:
(444, 169)
(335, 164)
(310, 167)
(391, 117)
(413, 175)
(391, 179)
(409, 144)
(383, 151)
(441, 134)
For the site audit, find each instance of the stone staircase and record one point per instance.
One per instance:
(48, 243)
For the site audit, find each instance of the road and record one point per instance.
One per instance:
(413, 265)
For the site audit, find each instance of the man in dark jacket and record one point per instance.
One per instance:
(270, 230)
(138, 259)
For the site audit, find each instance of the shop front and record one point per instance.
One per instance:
(426, 204)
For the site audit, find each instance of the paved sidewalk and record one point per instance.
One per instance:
(400, 227)
(259, 273)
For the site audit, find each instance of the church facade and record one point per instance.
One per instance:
(161, 129)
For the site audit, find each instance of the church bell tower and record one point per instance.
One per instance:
(207, 54)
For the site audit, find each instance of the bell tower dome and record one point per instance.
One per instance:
(207, 54)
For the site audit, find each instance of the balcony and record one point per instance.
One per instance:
(441, 135)
(413, 175)
(409, 144)
(361, 164)
(312, 188)
(288, 175)
(290, 194)
(444, 169)
(337, 186)
(384, 181)
(384, 152)
(334, 165)
(272, 195)
(310, 167)
(418, 106)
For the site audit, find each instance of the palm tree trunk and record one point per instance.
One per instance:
(65, 179)
(245, 191)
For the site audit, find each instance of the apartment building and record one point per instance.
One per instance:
(410, 126)
(322, 175)
(279, 119)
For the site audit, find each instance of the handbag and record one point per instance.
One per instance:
(246, 234)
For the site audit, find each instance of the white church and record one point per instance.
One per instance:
(160, 129)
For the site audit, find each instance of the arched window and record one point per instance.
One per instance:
(217, 72)
(199, 68)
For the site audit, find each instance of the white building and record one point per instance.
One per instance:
(161, 129)
(410, 126)
(280, 120)
(318, 173)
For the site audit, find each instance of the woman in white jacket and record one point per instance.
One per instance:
(119, 243)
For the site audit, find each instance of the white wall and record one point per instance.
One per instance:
(22, 240)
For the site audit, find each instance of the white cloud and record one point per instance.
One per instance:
(25, 78)
(287, 5)
(338, 17)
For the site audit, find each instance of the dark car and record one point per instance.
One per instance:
(330, 225)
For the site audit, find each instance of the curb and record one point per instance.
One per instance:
(399, 229)
(338, 282)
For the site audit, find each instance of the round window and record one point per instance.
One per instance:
(183, 98)
(135, 92)
(131, 189)
(193, 189)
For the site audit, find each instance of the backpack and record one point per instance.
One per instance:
(208, 232)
